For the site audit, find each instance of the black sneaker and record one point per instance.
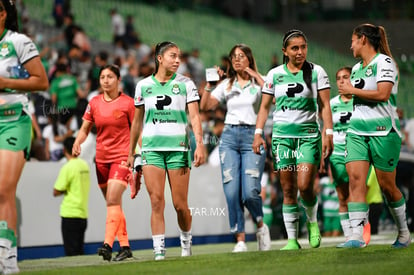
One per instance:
(123, 254)
(106, 252)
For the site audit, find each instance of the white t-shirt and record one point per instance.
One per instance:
(243, 103)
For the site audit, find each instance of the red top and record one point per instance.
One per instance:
(113, 121)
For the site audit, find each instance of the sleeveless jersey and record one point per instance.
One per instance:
(371, 118)
(296, 109)
(165, 118)
(15, 50)
(341, 115)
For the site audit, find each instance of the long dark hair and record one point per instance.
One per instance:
(376, 36)
(249, 54)
(160, 49)
(11, 20)
(306, 67)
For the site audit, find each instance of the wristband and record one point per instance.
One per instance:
(329, 132)
(258, 131)
(208, 90)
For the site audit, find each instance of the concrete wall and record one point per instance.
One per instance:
(39, 221)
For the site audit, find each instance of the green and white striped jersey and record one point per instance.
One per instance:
(341, 115)
(296, 109)
(165, 119)
(372, 118)
(15, 49)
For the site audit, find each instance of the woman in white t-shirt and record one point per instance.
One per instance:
(241, 168)
(54, 134)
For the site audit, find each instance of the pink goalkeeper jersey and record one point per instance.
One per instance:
(113, 121)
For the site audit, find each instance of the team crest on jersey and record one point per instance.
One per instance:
(369, 71)
(175, 89)
(4, 50)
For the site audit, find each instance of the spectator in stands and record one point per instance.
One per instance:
(196, 67)
(129, 81)
(130, 34)
(73, 182)
(112, 113)
(118, 26)
(54, 134)
(165, 144)
(60, 9)
(65, 91)
(27, 74)
(100, 60)
(374, 92)
(299, 88)
(241, 168)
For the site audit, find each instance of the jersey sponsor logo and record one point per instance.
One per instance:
(161, 121)
(345, 117)
(388, 60)
(175, 89)
(294, 88)
(391, 162)
(162, 101)
(148, 90)
(359, 83)
(195, 91)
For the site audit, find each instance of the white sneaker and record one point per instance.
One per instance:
(240, 247)
(186, 248)
(159, 253)
(263, 238)
(10, 263)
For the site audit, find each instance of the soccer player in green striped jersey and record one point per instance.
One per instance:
(301, 90)
(161, 101)
(373, 136)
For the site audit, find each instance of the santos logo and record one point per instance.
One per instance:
(155, 120)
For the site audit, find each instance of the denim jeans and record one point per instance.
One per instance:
(241, 171)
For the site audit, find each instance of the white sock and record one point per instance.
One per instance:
(158, 242)
(311, 211)
(291, 221)
(345, 224)
(357, 220)
(398, 213)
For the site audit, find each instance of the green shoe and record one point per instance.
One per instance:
(292, 245)
(314, 234)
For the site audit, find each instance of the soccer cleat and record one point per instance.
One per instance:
(106, 252)
(159, 254)
(186, 248)
(292, 245)
(398, 244)
(366, 233)
(263, 238)
(354, 244)
(313, 234)
(124, 253)
(240, 247)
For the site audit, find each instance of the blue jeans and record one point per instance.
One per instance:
(241, 171)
